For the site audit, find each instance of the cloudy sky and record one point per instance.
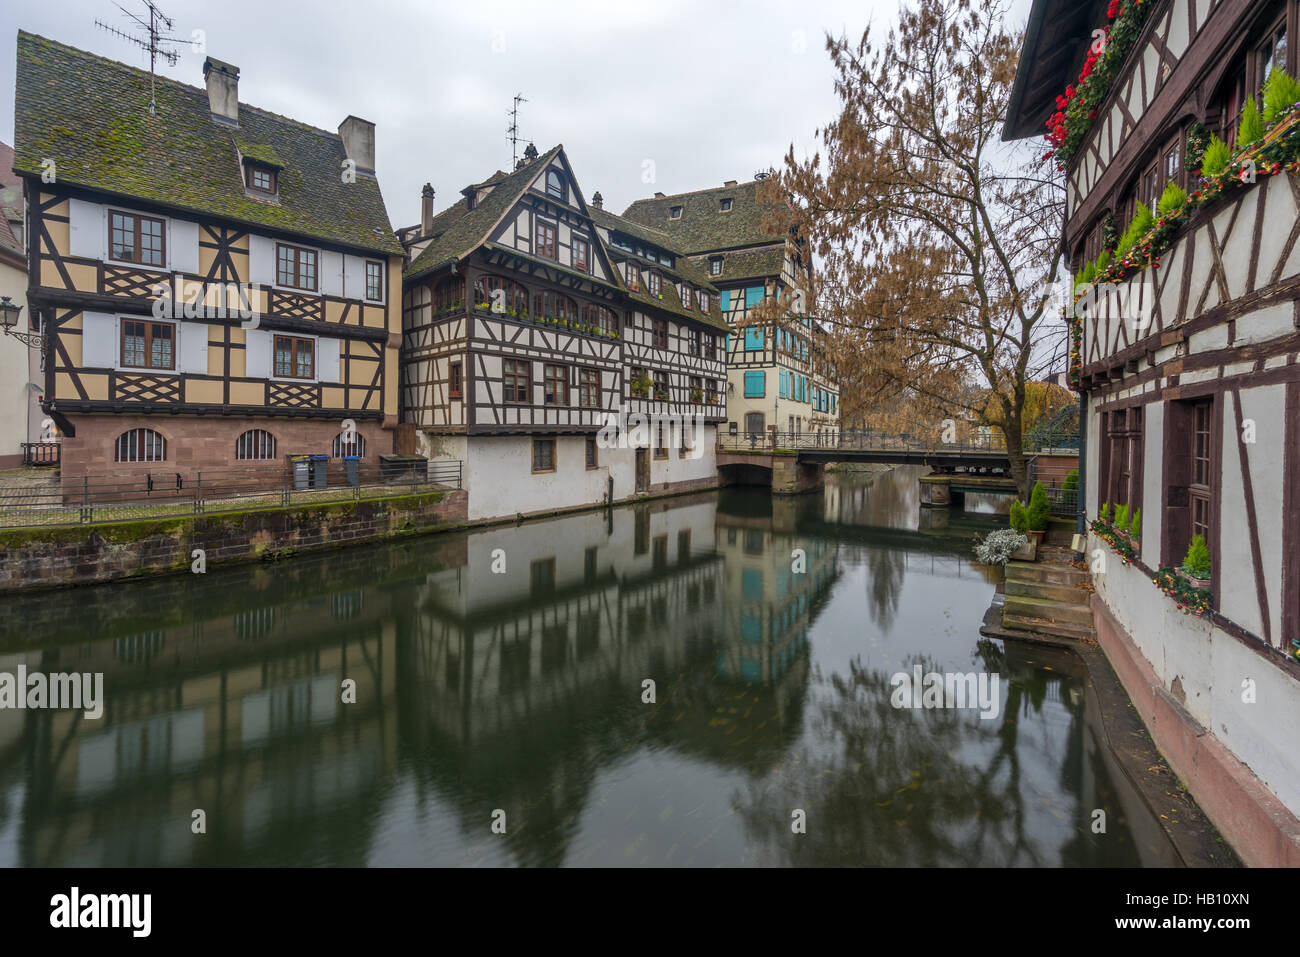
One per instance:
(669, 95)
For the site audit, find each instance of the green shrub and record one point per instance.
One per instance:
(1071, 480)
(1142, 222)
(1104, 515)
(1217, 157)
(1281, 94)
(1102, 262)
(1019, 517)
(1251, 128)
(1086, 275)
(1197, 562)
(1121, 517)
(1135, 529)
(1040, 509)
(1171, 199)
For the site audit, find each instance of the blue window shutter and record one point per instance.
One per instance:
(753, 296)
(753, 339)
(782, 385)
(726, 300)
(754, 385)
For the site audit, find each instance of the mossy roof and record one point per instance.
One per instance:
(703, 226)
(459, 230)
(90, 115)
(760, 263)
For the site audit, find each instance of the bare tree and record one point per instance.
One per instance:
(937, 245)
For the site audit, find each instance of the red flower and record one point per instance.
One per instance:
(1112, 11)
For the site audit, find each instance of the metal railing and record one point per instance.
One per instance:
(42, 453)
(856, 441)
(157, 493)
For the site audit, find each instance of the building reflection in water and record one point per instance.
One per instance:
(504, 669)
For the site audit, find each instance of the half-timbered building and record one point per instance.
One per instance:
(517, 325)
(779, 378)
(1187, 360)
(216, 285)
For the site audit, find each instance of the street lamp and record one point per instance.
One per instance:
(9, 311)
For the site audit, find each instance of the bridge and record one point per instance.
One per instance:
(794, 462)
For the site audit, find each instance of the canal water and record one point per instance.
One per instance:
(497, 680)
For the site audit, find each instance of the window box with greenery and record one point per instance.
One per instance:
(1189, 585)
(640, 384)
(661, 393)
(1104, 529)
(697, 396)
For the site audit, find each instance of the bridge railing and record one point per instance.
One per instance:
(854, 440)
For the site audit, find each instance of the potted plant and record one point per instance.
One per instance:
(640, 384)
(1135, 530)
(1196, 565)
(661, 393)
(1000, 545)
(1121, 521)
(1039, 511)
(1027, 549)
(697, 395)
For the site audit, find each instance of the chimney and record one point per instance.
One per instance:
(426, 210)
(223, 90)
(730, 182)
(359, 142)
(597, 200)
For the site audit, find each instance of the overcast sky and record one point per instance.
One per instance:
(705, 91)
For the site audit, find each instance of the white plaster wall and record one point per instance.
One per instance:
(501, 483)
(1211, 667)
(16, 399)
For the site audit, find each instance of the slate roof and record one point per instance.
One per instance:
(702, 226)
(767, 261)
(91, 116)
(11, 202)
(459, 230)
(683, 270)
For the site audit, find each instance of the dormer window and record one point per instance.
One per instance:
(675, 212)
(632, 275)
(260, 178)
(652, 283)
(555, 184)
(724, 205)
(715, 266)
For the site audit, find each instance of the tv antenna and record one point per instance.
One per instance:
(154, 26)
(513, 130)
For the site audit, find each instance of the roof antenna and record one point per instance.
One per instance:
(513, 130)
(155, 25)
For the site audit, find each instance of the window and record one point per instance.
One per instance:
(693, 342)
(348, 444)
(632, 275)
(705, 302)
(140, 445)
(697, 389)
(600, 318)
(449, 293)
(136, 239)
(688, 297)
(454, 384)
(675, 212)
(555, 384)
(554, 184)
(374, 280)
(1121, 463)
(661, 447)
(295, 267)
(581, 254)
(1199, 489)
(258, 177)
(755, 385)
(543, 455)
(1271, 52)
(294, 358)
(502, 295)
(724, 205)
(553, 305)
(149, 345)
(652, 282)
(711, 391)
(545, 240)
(710, 347)
(715, 266)
(659, 333)
(661, 385)
(589, 388)
(593, 461)
(255, 444)
(515, 374)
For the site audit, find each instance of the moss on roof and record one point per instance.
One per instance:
(258, 152)
(90, 115)
(761, 263)
(702, 225)
(460, 230)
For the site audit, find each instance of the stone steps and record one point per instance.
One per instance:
(1056, 629)
(1047, 573)
(1047, 610)
(1066, 594)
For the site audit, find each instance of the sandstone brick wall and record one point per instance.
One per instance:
(84, 555)
(204, 442)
